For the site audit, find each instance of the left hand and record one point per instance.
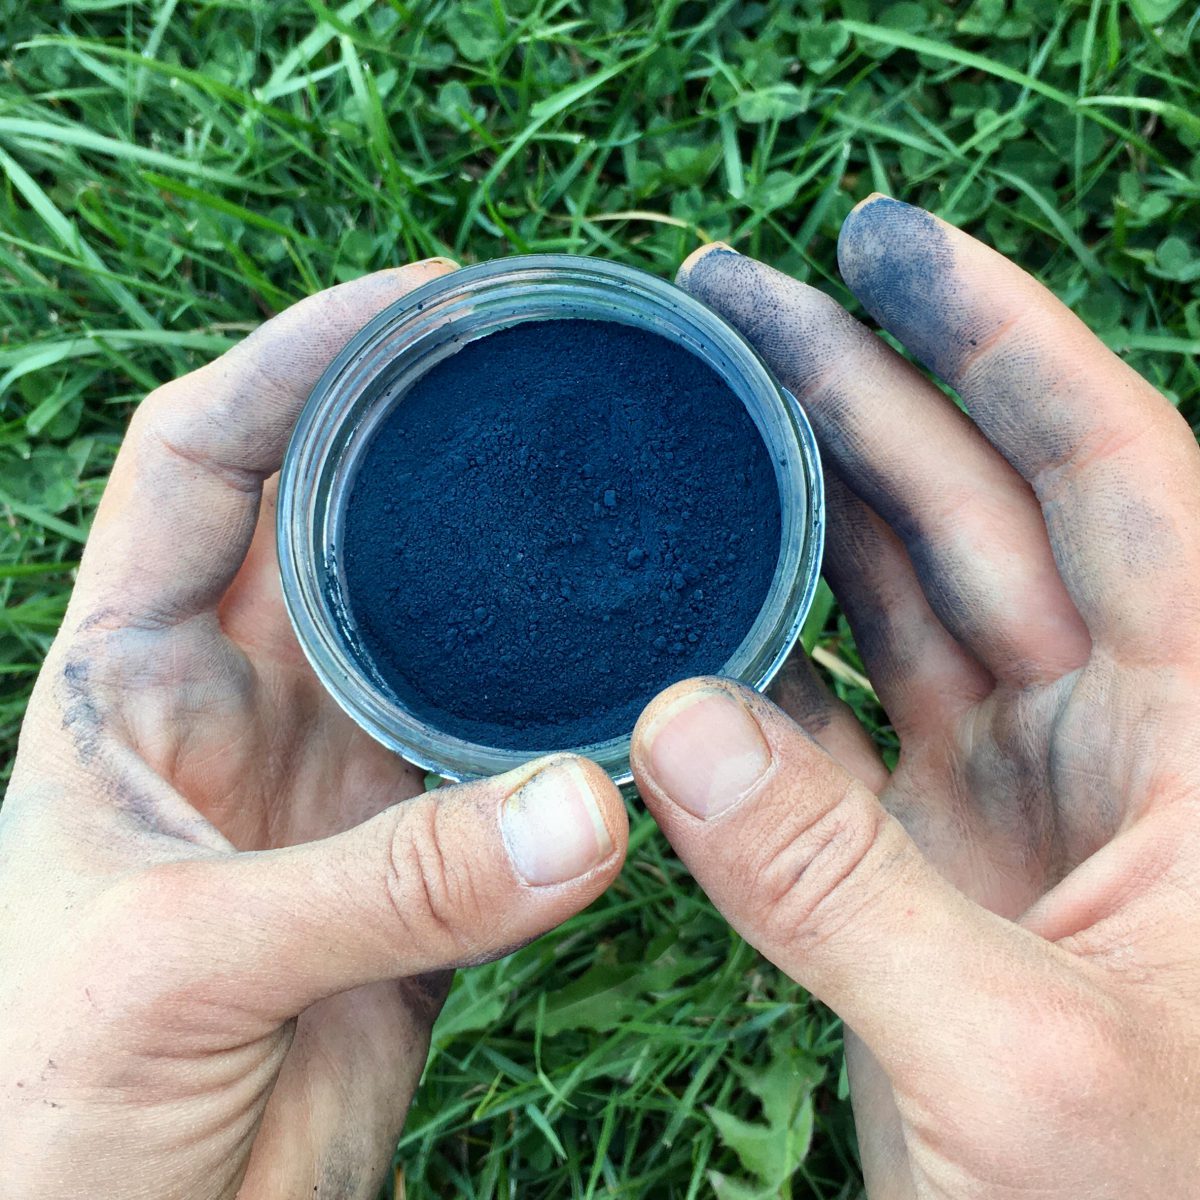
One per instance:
(224, 940)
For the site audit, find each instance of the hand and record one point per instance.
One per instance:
(1017, 945)
(198, 847)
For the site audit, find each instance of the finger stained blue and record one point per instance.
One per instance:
(552, 525)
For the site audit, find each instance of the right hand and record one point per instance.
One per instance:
(1010, 921)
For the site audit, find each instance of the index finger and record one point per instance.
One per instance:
(1115, 468)
(181, 503)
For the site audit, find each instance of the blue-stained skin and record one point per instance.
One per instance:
(898, 261)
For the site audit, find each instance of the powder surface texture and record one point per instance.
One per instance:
(554, 524)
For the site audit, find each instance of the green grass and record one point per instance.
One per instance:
(173, 173)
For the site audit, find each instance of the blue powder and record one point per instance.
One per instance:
(553, 525)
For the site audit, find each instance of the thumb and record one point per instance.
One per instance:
(451, 878)
(805, 863)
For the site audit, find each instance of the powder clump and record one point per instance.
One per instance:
(552, 525)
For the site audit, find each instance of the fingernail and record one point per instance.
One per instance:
(690, 263)
(706, 752)
(438, 261)
(871, 200)
(552, 826)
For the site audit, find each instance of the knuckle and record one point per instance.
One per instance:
(138, 928)
(199, 441)
(1070, 1054)
(196, 428)
(820, 873)
(1050, 1061)
(979, 362)
(161, 407)
(430, 892)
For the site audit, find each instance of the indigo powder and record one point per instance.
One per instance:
(552, 525)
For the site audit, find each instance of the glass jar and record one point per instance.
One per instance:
(372, 374)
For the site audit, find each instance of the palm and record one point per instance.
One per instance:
(1014, 849)
(270, 760)
(1005, 804)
